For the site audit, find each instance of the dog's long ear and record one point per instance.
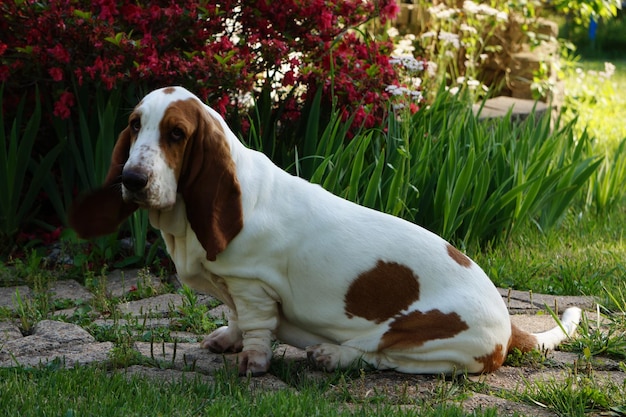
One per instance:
(101, 211)
(209, 185)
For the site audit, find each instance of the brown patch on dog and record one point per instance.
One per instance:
(382, 292)
(459, 257)
(169, 90)
(195, 145)
(521, 340)
(416, 328)
(492, 361)
(180, 117)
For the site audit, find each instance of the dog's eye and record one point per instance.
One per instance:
(135, 125)
(177, 134)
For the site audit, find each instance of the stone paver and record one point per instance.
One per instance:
(520, 109)
(9, 296)
(68, 345)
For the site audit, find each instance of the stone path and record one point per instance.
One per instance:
(520, 109)
(71, 345)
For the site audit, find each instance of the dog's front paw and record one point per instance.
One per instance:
(223, 339)
(325, 356)
(254, 362)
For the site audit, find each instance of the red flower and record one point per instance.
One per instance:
(56, 73)
(326, 20)
(5, 72)
(221, 105)
(51, 237)
(389, 11)
(132, 13)
(59, 53)
(63, 105)
(289, 78)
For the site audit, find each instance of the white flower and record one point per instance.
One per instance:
(392, 32)
(467, 28)
(609, 70)
(470, 7)
(442, 12)
(432, 68)
(408, 62)
(482, 9)
(450, 38)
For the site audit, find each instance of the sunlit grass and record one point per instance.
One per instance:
(599, 101)
(583, 256)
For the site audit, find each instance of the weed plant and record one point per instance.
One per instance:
(577, 395)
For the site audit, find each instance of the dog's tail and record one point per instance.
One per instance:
(550, 339)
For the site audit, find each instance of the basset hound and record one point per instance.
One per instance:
(294, 262)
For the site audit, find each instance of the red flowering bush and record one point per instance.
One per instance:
(223, 52)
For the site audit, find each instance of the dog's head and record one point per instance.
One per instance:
(173, 146)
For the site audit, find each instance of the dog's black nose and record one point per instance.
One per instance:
(134, 180)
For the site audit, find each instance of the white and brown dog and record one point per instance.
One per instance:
(295, 262)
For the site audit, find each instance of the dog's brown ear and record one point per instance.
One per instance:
(209, 185)
(100, 212)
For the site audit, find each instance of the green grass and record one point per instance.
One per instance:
(585, 255)
(578, 395)
(95, 392)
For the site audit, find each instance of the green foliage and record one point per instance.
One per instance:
(582, 11)
(463, 178)
(606, 188)
(21, 175)
(609, 43)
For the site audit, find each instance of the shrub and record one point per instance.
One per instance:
(223, 52)
(75, 57)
